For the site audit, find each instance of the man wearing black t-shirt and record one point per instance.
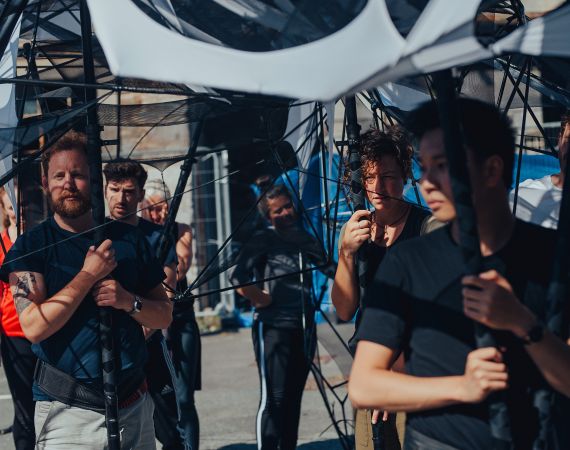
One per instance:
(124, 190)
(59, 279)
(426, 306)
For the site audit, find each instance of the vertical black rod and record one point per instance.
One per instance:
(557, 319)
(358, 201)
(98, 208)
(521, 142)
(326, 176)
(166, 240)
(356, 189)
(444, 84)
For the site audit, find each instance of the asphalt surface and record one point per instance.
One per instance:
(228, 403)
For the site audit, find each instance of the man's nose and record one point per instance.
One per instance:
(68, 180)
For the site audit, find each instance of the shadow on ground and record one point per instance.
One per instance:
(321, 445)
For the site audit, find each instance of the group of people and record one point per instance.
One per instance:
(415, 309)
(59, 278)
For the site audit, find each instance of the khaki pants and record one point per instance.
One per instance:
(63, 427)
(363, 430)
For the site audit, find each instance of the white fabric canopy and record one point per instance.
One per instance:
(367, 52)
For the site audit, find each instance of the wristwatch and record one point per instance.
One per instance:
(535, 334)
(137, 306)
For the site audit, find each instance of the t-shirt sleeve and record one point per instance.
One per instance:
(247, 259)
(24, 256)
(149, 268)
(384, 314)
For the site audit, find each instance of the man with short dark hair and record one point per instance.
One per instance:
(425, 306)
(282, 308)
(124, 190)
(539, 200)
(59, 280)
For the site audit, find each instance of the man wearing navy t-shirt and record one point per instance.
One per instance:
(124, 190)
(59, 280)
(422, 305)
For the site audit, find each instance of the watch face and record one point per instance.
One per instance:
(536, 333)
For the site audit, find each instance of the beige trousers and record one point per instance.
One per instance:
(363, 430)
(63, 427)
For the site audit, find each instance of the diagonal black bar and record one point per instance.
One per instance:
(521, 143)
(444, 85)
(8, 20)
(166, 239)
(98, 207)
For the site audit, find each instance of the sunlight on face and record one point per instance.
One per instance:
(435, 183)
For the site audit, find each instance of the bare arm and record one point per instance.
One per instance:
(344, 292)
(170, 288)
(156, 311)
(184, 250)
(494, 304)
(258, 298)
(40, 317)
(373, 385)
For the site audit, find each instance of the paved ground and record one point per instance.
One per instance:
(227, 405)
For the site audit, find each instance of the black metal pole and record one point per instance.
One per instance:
(358, 199)
(8, 21)
(444, 84)
(185, 171)
(356, 189)
(557, 316)
(98, 207)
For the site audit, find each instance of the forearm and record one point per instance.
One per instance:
(256, 296)
(393, 391)
(552, 357)
(154, 314)
(344, 292)
(41, 320)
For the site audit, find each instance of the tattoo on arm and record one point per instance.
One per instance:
(23, 289)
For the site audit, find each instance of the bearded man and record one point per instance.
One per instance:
(59, 280)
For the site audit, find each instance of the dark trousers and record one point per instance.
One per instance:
(184, 340)
(19, 363)
(160, 373)
(283, 369)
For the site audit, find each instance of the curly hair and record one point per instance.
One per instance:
(376, 144)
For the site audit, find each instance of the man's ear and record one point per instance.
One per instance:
(493, 171)
(44, 184)
(142, 195)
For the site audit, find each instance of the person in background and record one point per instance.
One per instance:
(283, 311)
(155, 209)
(124, 190)
(183, 334)
(17, 356)
(386, 160)
(539, 200)
(421, 304)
